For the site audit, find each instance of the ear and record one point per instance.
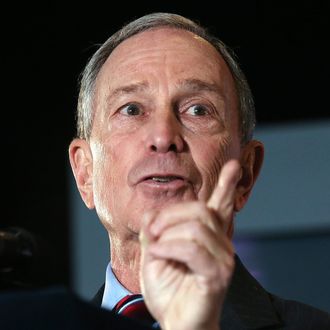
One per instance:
(81, 161)
(252, 157)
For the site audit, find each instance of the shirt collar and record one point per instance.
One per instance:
(113, 290)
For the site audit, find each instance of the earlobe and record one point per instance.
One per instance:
(82, 167)
(251, 162)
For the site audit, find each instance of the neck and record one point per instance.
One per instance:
(125, 262)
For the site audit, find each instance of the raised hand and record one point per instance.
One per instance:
(188, 259)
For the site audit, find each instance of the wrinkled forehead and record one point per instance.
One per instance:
(166, 37)
(175, 52)
(168, 42)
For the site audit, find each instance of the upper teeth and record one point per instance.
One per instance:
(162, 178)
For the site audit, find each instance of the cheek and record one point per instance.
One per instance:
(102, 180)
(110, 166)
(104, 172)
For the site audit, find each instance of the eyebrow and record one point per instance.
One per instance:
(129, 89)
(197, 85)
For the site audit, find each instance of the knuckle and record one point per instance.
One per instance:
(194, 249)
(196, 228)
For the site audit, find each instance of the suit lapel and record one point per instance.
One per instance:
(97, 299)
(248, 304)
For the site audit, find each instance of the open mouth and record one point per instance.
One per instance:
(160, 185)
(164, 179)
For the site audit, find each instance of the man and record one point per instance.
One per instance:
(165, 154)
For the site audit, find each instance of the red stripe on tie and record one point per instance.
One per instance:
(133, 306)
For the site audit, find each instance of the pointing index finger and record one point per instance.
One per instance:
(222, 198)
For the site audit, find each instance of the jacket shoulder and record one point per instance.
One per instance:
(298, 315)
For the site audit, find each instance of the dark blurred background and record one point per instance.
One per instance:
(283, 47)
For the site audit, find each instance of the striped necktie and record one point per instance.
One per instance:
(133, 306)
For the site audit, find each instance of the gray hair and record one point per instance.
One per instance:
(85, 113)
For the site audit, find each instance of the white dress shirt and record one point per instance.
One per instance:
(113, 290)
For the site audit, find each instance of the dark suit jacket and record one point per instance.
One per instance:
(249, 306)
(56, 308)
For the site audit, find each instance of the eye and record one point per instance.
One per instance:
(131, 109)
(197, 110)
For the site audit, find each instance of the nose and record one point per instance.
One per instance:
(165, 134)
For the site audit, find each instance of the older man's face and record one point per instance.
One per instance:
(165, 122)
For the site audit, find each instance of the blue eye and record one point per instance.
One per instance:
(131, 110)
(197, 110)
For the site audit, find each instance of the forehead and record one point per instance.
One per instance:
(170, 51)
(166, 40)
